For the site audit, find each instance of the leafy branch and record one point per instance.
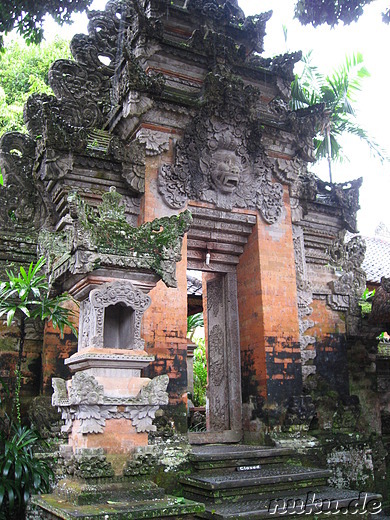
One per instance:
(26, 296)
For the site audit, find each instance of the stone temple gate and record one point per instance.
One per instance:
(168, 109)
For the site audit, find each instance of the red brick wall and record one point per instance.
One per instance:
(269, 328)
(165, 322)
(55, 350)
(331, 347)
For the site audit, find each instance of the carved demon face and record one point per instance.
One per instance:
(225, 170)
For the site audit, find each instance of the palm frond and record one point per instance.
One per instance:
(337, 90)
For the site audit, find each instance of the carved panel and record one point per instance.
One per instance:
(305, 299)
(83, 86)
(155, 142)
(218, 381)
(217, 355)
(220, 170)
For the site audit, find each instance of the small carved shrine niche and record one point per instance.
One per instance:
(119, 326)
(111, 317)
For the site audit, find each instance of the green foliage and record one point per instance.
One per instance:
(365, 302)
(24, 71)
(200, 374)
(27, 295)
(27, 17)
(331, 12)
(337, 92)
(21, 474)
(194, 321)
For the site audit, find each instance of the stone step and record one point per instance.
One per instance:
(49, 507)
(79, 492)
(224, 485)
(322, 500)
(211, 457)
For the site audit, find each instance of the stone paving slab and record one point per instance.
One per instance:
(267, 475)
(225, 452)
(50, 508)
(322, 500)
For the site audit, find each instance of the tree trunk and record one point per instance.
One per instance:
(18, 371)
(329, 151)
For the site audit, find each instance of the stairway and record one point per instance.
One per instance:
(237, 481)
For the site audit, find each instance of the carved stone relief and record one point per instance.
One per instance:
(83, 86)
(347, 257)
(305, 299)
(23, 207)
(86, 403)
(217, 357)
(155, 142)
(103, 236)
(218, 381)
(214, 297)
(213, 164)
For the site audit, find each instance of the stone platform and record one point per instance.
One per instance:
(113, 498)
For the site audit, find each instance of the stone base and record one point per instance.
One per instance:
(119, 498)
(49, 507)
(119, 436)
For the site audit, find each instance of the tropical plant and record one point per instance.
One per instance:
(194, 321)
(26, 296)
(336, 92)
(200, 374)
(21, 473)
(24, 70)
(365, 301)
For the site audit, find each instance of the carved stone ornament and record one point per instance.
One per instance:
(86, 403)
(93, 313)
(304, 124)
(347, 257)
(23, 208)
(214, 297)
(217, 363)
(85, 389)
(305, 299)
(83, 86)
(155, 142)
(151, 397)
(344, 196)
(225, 30)
(104, 237)
(380, 312)
(220, 161)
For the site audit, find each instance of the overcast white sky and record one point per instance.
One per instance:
(371, 37)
